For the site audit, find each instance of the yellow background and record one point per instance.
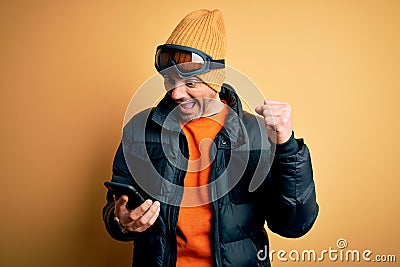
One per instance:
(68, 70)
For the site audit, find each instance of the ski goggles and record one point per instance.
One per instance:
(187, 61)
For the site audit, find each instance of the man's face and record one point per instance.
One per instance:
(193, 97)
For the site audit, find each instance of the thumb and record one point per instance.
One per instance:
(123, 200)
(259, 110)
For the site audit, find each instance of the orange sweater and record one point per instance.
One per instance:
(194, 223)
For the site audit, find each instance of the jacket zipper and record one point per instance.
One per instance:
(217, 251)
(170, 255)
(216, 236)
(171, 249)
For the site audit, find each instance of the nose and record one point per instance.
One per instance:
(179, 91)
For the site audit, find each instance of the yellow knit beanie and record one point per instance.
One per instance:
(204, 30)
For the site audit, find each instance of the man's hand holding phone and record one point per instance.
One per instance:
(131, 210)
(140, 218)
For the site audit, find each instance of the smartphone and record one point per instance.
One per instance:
(135, 199)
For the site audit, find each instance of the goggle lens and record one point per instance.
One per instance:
(185, 61)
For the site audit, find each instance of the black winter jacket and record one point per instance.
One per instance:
(155, 159)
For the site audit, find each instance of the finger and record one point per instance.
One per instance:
(271, 121)
(145, 227)
(265, 110)
(140, 210)
(155, 216)
(120, 209)
(129, 217)
(276, 113)
(148, 219)
(279, 107)
(122, 201)
(259, 109)
(274, 102)
(145, 218)
(277, 120)
(279, 104)
(120, 204)
(273, 108)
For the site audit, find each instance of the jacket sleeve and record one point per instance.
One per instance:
(292, 208)
(120, 174)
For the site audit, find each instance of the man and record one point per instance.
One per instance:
(204, 165)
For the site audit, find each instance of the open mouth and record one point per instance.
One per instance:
(187, 106)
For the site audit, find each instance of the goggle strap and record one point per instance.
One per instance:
(221, 63)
